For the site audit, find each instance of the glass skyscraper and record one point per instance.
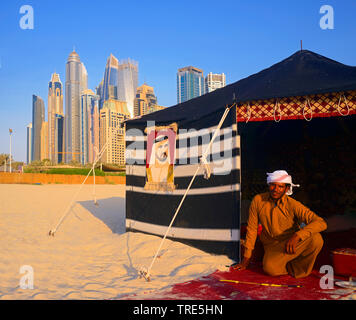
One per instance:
(109, 90)
(128, 83)
(29, 144)
(190, 83)
(55, 107)
(76, 82)
(59, 138)
(88, 110)
(38, 117)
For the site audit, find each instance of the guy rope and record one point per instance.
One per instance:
(147, 274)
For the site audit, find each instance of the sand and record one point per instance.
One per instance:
(91, 256)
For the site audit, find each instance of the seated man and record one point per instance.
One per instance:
(288, 248)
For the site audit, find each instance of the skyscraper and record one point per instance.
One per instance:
(128, 83)
(55, 107)
(110, 90)
(59, 138)
(94, 146)
(44, 140)
(99, 92)
(214, 81)
(76, 82)
(29, 143)
(145, 101)
(112, 115)
(38, 117)
(88, 110)
(190, 83)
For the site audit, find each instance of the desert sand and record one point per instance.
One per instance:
(91, 255)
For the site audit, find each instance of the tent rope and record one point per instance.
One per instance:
(147, 274)
(68, 210)
(347, 105)
(310, 108)
(279, 111)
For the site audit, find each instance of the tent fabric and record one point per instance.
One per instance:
(303, 73)
(209, 218)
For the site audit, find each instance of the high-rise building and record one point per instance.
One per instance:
(29, 143)
(190, 83)
(59, 138)
(76, 82)
(94, 133)
(38, 117)
(145, 97)
(145, 101)
(84, 77)
(44, 140)
(110, 90)
(89, 102)
(112, 134)
(99, 92)
(55, 107)
(214, 81)
(128, 83)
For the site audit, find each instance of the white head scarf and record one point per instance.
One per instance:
(282, 176)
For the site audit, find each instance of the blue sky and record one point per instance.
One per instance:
(236, 37)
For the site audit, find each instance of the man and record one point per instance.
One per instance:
(288, 248)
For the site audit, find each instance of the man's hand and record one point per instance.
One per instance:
(292, 243)
(243, 265)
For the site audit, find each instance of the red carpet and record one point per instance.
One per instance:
(211, 288)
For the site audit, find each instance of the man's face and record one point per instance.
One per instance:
(277, 190)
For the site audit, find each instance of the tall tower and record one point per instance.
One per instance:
(110, 90)
(89, 120)
(128, 83)
(214, 81)
(76, 82)
(190, 83)
(29, 143)
(59, 138)
(44, 140)
(55, 107)
(145, 100)
(112, 134)
(38, 118)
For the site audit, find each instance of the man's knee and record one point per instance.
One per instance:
(317, 241)
(272, 269)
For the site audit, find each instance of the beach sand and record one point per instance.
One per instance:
(91, 256)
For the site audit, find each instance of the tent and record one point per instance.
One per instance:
(303, 92)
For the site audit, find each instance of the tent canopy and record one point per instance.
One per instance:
(303, 73)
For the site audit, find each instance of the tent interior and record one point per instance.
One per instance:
(319, 154)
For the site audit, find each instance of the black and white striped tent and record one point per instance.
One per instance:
(163, 150)
(209, 216)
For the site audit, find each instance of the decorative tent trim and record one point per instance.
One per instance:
(314, 106)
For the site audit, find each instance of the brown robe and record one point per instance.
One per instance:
(279, 222)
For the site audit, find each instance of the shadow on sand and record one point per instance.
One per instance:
(111, 211)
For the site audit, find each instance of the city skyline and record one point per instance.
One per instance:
(246, 42)
(86, 111)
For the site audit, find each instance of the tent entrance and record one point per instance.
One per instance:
(319, 154)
